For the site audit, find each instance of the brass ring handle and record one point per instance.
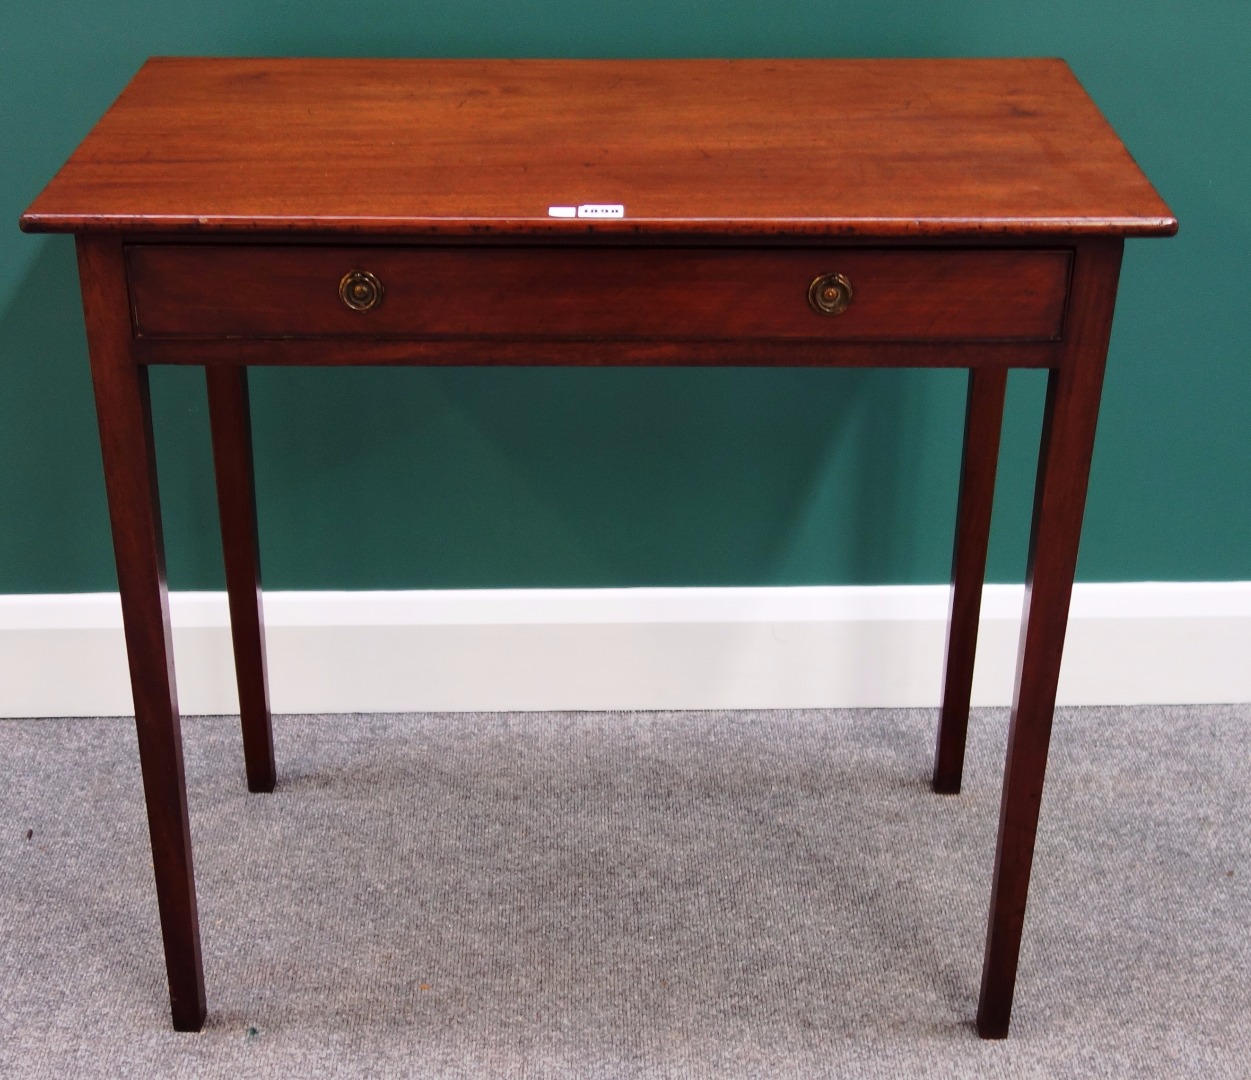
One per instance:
(830, 294)
(360, 290)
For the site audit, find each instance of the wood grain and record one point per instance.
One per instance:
(1069, 417)
(724, 147)
(979, 208)
(606, 352)
(982, 428)
(230, 422)
(214, 290)
(125, 417)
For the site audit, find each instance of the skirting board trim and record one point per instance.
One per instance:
(649, 648)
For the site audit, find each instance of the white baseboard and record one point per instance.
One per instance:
(696, 648)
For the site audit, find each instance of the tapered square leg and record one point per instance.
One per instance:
(982, 425)
(1072, 406)
(230, 421)
(124, 411)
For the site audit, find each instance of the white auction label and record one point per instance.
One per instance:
(601, 210)
(588, 210)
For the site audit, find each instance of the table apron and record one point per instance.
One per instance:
(295, 352)
(772, 298)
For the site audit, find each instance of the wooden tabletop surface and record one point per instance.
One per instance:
(864, 148)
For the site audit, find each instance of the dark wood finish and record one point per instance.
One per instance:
(978, 206)
(602, 352)
(230, 421)
(121, 390)
(1072, 407)
(214, 290)
(716, 147)
(983, 423)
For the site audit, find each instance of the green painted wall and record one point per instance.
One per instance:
(488, 478)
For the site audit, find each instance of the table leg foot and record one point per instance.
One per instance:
(189, 1016)
(992, 1024)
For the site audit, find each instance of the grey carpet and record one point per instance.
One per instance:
(761, 894)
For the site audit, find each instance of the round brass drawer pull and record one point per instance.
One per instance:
(830, 294)
(360, 290)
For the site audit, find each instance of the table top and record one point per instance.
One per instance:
(826, 148)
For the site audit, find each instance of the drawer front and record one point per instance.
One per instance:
(674, 294)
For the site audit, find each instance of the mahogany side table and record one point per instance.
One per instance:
(953, 213)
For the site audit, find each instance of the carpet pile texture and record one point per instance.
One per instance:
(687, 894)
